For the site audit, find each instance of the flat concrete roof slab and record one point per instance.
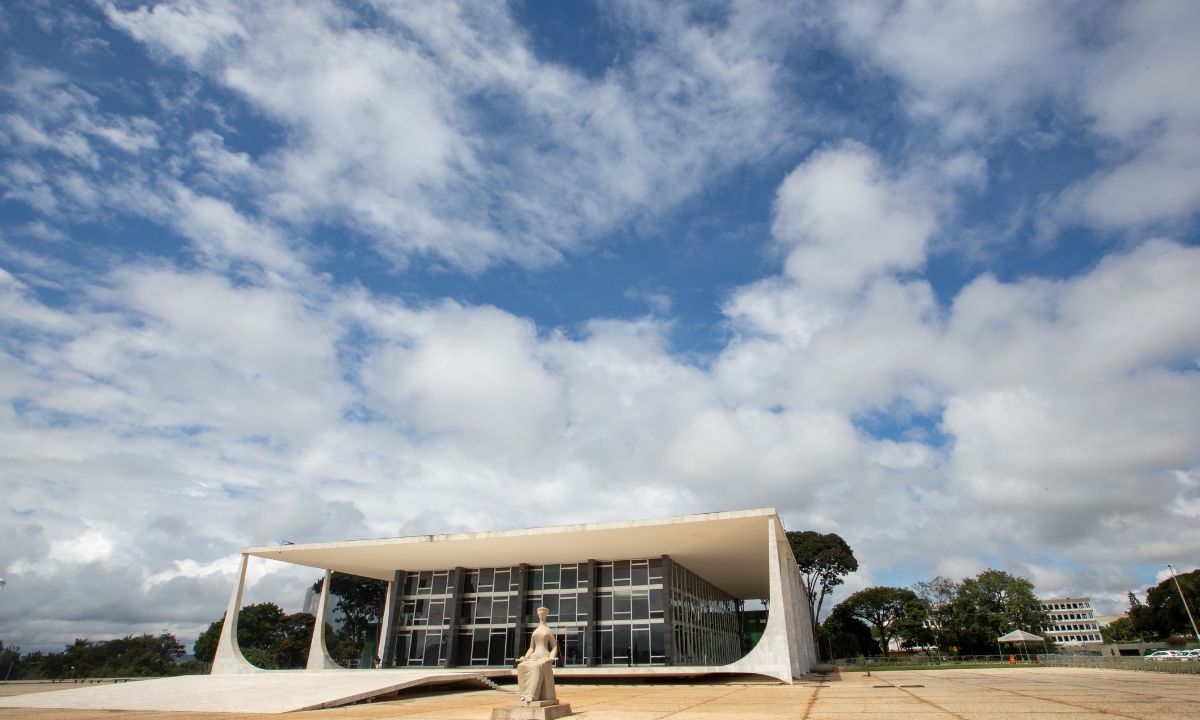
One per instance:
(271, 692)
(724, 548)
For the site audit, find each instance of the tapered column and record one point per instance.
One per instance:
(228, 660)
(591, 625)
(668, 612)
(318, 654)
(785, 650)
(387, 621)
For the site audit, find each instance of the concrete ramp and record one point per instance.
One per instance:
(267, 692)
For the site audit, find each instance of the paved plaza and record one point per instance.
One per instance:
(1038, 693)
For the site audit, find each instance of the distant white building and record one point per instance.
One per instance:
(1072, 621)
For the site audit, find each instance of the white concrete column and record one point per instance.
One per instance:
(783, 651)
(228, 659)
(387, 626)
(318, 654)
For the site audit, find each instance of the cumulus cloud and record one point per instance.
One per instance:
(844, 221)
(449, 137)
(223, 385)
(984, 71)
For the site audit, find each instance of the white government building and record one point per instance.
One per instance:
(1072, 621)
(645, 597)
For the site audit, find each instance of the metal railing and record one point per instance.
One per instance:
(901, 662)
(1187, 667)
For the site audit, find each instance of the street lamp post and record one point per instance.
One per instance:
(1184, 601)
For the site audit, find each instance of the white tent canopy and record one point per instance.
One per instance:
(1019, 636)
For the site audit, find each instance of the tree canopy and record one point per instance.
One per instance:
(1163, 614)
(130, 656)
(268, 637)
(879, 607)
(824, 560)
(987, 606)
(359, 600)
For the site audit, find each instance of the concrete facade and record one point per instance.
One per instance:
(744, 554)
(1072, 621)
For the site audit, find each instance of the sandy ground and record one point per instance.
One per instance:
(1037, 693)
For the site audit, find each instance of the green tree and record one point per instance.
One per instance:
(912, 628)
(939, 595)
(11, 665)
(359, 600)
(1119, 631)
(824, 560)
(267, 636)
(1163, 614)
(989, 605)
(845, 636)
(879, 607)
(130, 656)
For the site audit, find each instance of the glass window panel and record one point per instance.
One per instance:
(422, 612)
(566, 608)
(416, 645)
(641, 646)
(410, 584)
(486, 578)
(641, 606)
(622, 604)
(570, 575)
(424, 579)
(604, 575)
(621, 642)
(510, 645)
(606, 646)
(535, 578)
(605, 612)
(656, 572)
(582, 606)
(439, 584)
(466, 611)
(499, 610)
(470, 581)
(582, 575)
(483, 610)
(621, 572)
(640, 573)
(462, 649)
(401, 656)
(550, 574)
(501, 584)
(437, 613)
(658, 639)
(479, 651)
(656, 601)
(496, 649)
(551, 603)
(408, 612)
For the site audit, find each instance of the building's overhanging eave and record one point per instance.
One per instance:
(726, 548)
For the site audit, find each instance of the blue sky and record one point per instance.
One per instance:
(922, 274)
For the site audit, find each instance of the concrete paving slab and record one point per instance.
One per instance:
(271, 692)
(1027, 693)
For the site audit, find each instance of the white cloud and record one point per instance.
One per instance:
(448, 137)
(844, 221)
(983, 71)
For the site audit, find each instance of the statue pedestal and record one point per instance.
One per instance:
(532, 710)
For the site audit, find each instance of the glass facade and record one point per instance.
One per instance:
(603, 613)
(706, 620)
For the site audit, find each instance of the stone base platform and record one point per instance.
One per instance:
(533, 710)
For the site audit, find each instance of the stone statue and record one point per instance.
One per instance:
(535, 669)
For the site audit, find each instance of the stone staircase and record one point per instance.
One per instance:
(488, 681)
